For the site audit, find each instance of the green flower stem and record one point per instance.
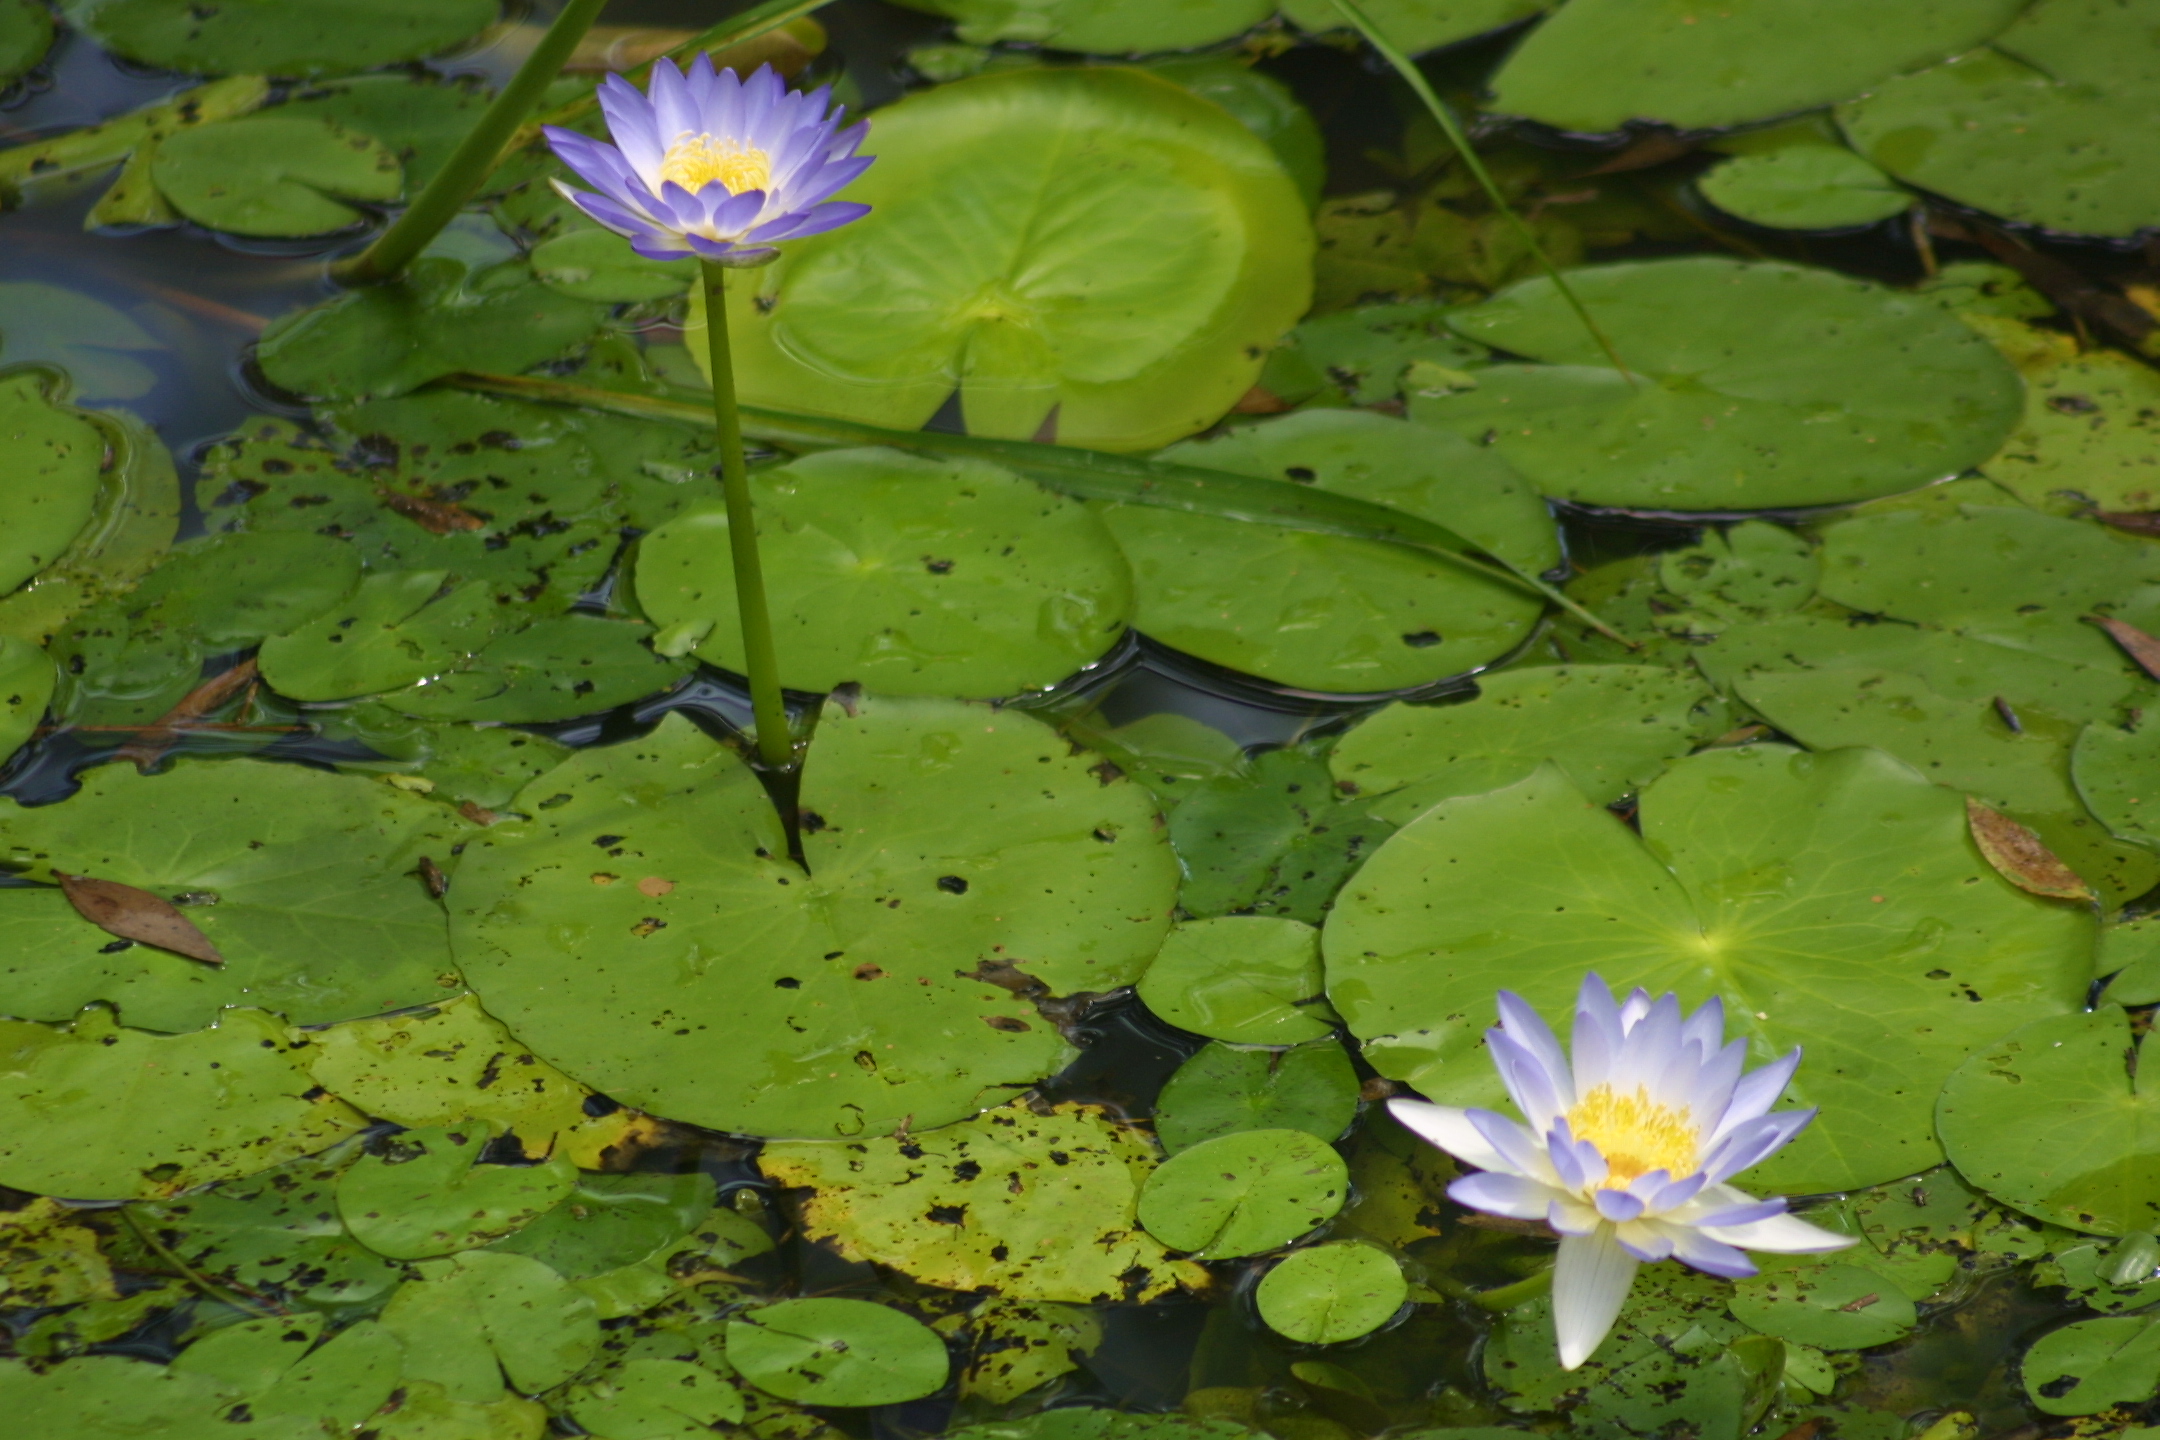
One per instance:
(468, 169)
(775, 744)
(1415, 79)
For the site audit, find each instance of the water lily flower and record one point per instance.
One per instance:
(712, 166)
(1627, 1150)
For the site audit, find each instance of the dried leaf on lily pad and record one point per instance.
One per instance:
(2138, 645)
(2016, 852)
(137, 915)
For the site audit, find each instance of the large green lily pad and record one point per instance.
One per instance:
(1752, 386)
(2053, 1118)
(1330, 1293)
(1276, 841)
(397, 628)
(553, 669)
(910, 576)
(305, 881)
(1804, 187)
(275, 175)
(836, 1352)
(1248, 979)
(418, 119)
(1227, 1089)
(473, 1320)
(1094, 254)
(170, 1111)
(1835, 901)
(278, 37)
(643, 927)
(1611, 728)
(1243, 1193)
(429, 1193)
(2044, 128)
(95, 343)
(1036, 1207)
(1330, 614)
(1598, 64)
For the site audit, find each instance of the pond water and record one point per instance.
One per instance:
(520, 1084)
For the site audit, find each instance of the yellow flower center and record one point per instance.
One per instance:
(1635, 1134)
(695, 161)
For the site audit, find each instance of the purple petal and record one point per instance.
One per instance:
(630, 124)
(1514, 1196)
(1597, 1035)
(1646, 1244)
(1527, 1081)
(823, 218)
(1754, 1142)
(1590, 1283)
(1706, 1027)
(1746, 1214)
(663, 245)
(673, 115)
(1633, 1009)
(1448, 1128)
(1782, 1234)
(1618, 1205)
(1668, 1194)
(1713, 1257)
(1756, 1093)
(1528, 1029)
(1514, 1144)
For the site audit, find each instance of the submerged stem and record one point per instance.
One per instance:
(1415, 78)
(474, 160)
(760, 664)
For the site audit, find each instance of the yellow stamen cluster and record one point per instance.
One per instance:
(1636, 1134)
(695, 161)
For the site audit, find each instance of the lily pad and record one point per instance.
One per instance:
(1330, 614)
(596, 264)
(656, 1399)
(1415, 26)
(1035, 1207)
(1830, 1307)
(910, 576)
(2041, 129)
(1804, 187)
(1326, 1294)
(428, 1193)
(275, 175)
(2053, 1119)
(278, 37)
(1277, 841)
(466, 1316)
(48, 1259)
(26, 687)
(609, 1221)
(1752, 386)
(2085, 1367)
(553, 669)
(54, 458)
(305, 881)
(1092, 254)
(2091, 430)
(836, 1352)
(1018, 1346)
(1366, 354)
(419, 120)
(277, 1234)
(440, 318)
(959, 857)
(26, 32)
(2130, 951)
(1249, 979)
(175, 1111)
(1611, 728)
(1226, 1089)
(1245, 1193)
(1753, 569)
(399, 627)
(1263, 104)
(1598, 64)
(1101, 27)
(1884, 943)
(94, 342)
(455, 1062)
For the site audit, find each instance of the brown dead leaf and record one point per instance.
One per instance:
(147, 748)
(1260, 401)
(2134, 522)
(137, 915)
(2138, 645)
(2020, 857)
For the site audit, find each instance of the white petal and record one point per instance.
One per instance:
(1786, 1234)
(1590, 1284)
(1451, 1130)
(1514, 1196)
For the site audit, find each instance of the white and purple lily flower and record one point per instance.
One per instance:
(712, 166)
(1627, 1149)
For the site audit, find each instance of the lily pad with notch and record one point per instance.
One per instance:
(836, 1352)
(1276, 839)
(1886, 944)
(1244, 1193)
(1365, 354)
(431, 1192)
(1248, 979)
(1611, 728)
(398, 628)
(1034, 1207)
(274, 175)
(2090, 1365)
(1326, 1294)
(1326, 613)
(55, 457)
(910, 576)
(1804, 187)
(1751, 386)
(1159, 246)
(473, 1320)
(1229, 1089)
(173, 1111)
(418, 119)
(306, 884)
(646, 908)
(1596, 65)
(553, 669)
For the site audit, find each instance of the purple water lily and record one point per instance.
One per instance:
(1627, 1150)
(714, 167)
